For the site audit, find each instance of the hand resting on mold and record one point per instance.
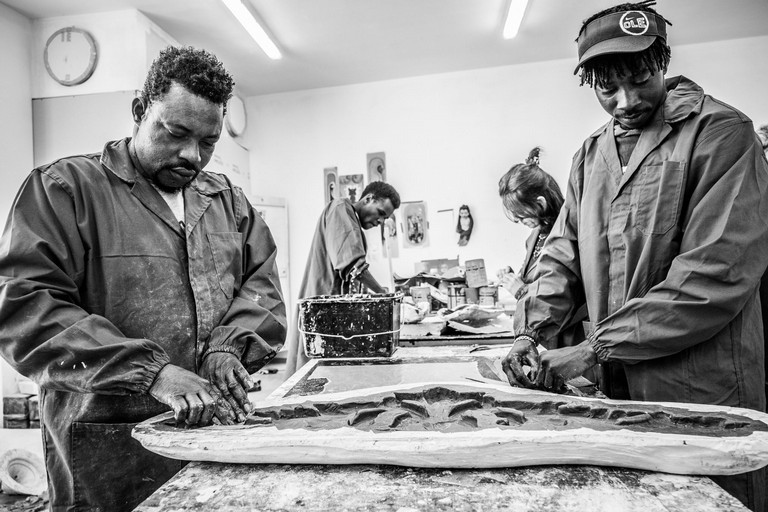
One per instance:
(231, 379)
(194, 400)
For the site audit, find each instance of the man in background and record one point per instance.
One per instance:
(664, 235)
(131, 282)
(338, 251)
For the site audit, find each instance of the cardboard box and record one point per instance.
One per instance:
(15, 421)
(16, 404)
(475, 273)
(34, 408)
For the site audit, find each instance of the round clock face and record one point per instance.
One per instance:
(235, 120)
(70, 56)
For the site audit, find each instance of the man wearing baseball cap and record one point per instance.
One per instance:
(664, 236)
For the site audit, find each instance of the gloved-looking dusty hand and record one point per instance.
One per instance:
(558, 366)
(229, 376)
(193, 399)
(523, 352)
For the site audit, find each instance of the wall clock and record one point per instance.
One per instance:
(70, 56)
(235, 119)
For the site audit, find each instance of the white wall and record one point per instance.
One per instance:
(448, 138)
(15, 103)
(16, 129)
(127, 42)
(733, 71)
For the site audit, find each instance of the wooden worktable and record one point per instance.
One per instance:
(244, 487)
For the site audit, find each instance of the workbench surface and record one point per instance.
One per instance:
(246, 487)
(243, 487)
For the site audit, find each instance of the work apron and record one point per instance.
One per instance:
(109, 485)
(94, 464)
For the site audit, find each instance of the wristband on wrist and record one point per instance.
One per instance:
(525, 337)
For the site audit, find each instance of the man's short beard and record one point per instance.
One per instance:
(167, 189)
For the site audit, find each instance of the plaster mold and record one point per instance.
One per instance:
(460, 425)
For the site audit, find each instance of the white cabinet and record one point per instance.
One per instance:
(274, 211)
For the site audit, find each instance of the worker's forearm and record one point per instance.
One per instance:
(370, 282)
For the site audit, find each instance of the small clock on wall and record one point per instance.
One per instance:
(70, 56)
(235, 119)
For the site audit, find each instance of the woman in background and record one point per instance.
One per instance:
(533, 198)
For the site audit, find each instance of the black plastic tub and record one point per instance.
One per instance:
(366, 325)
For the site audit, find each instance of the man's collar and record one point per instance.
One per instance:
(117, 159)
(684, 98)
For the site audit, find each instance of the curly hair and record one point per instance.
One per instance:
(762, 132)
(382, 190)
(522, 184)
(196, 70)
(655, 58)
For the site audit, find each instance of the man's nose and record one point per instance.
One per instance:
(190, 153)
(626, 99)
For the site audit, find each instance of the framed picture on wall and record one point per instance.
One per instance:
(331, 183)
(351, 186)
(415, 224)
(377, 167)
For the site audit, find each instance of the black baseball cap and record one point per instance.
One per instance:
(619, 32)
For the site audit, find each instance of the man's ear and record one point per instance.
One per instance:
(138, 109)
(542, 202)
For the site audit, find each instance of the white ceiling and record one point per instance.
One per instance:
(336, 42)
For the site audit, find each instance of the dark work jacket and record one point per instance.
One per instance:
(100, 287)
(571, 333)
(339, 245)
(668, 254)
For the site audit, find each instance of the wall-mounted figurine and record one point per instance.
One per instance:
(464, 225)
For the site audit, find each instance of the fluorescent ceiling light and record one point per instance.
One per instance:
(514, 17)
(246, 19)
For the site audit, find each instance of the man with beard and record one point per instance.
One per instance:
(663, 235)
(131, 282)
